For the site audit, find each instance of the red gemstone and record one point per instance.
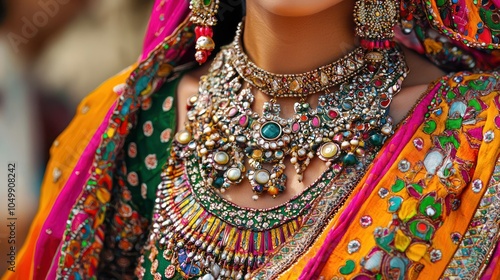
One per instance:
(303, 118)
(385, 103)
(123, 128)
(422, 227)
(378, 83)
(197, 31)
(209, 32)
(201, 56)
(333, 114)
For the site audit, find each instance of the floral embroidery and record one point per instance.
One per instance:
(146, 104)
(133, 178)
(353, 246)
(419, 210)
(477, 186)
(165, 135)
(366, 221)
(151, 162)
(86, 221)
(132, 150)
(167, 104)
(436, 255)
(148, 128)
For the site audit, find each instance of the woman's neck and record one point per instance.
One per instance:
(289, 45)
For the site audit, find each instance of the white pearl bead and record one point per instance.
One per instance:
(221, 158)
(233, 174)
(261, 176)
(183, 137)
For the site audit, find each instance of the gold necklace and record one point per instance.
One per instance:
(296, 85)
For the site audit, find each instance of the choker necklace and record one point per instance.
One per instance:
(296, 85)
(224, 133)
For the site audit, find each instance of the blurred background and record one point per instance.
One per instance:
(52, 53)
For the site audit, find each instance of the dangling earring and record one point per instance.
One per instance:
(375, 21)
(203, 15)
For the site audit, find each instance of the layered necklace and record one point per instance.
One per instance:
(227, 135)
(204, 235)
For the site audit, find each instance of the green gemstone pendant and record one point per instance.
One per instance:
(271, 131)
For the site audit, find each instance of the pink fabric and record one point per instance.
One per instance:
(495, 258)
(165, 18)
(48, 244)
(380, 167)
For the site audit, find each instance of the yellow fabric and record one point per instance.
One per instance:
(65, 153)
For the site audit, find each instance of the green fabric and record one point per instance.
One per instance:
(133, 198)
(163, 121)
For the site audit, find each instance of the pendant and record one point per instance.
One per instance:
(347, 125)
(270, 139)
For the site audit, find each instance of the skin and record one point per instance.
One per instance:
(294, 37)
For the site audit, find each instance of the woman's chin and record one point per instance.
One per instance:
(296, 8)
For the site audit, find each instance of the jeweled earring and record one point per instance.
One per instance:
(203, 14)
(375, 21)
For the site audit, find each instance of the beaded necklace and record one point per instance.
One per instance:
(206, 236)
(203, 235)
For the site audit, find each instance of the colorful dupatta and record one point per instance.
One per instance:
(415, 214)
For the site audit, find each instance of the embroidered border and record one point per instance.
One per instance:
(83, 238)
(481, 237)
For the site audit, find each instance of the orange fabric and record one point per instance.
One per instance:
(377, 208)
(65, 153)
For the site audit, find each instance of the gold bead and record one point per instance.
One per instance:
(183, 137)
(329, 150)
(205, 43)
